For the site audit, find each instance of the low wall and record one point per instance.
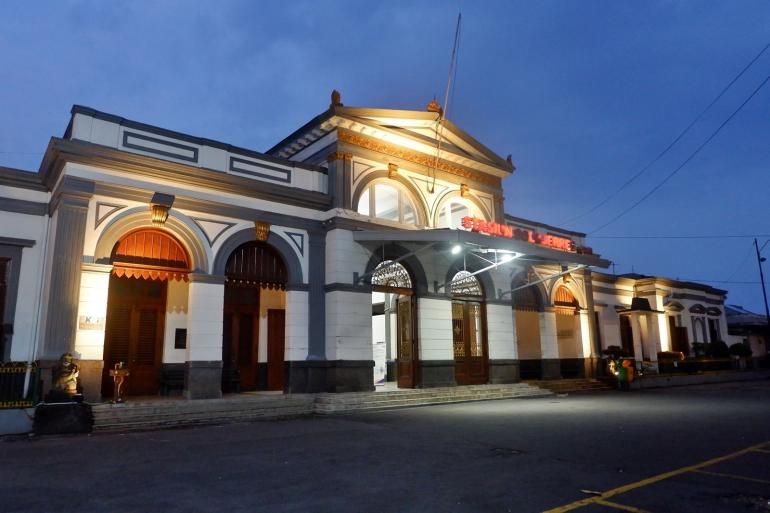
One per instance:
(674, 380)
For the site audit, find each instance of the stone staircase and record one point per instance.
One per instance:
(163, 414)
(152, 414)
(570, 386)
(377, 401)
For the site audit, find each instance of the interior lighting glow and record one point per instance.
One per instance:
(456, 249)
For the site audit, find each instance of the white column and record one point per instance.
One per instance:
(636, 331)
(92, 311)
(435, 329)
(348, 326)
(204, 321)
(296, 325)
(549, 347)
(501, 338)
(585, 334)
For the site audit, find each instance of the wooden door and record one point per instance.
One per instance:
(134, 333)
(469, 343)
(406, 359)
(276, 345)
(240, 336)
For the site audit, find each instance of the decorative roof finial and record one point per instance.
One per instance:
(435, 106)
(509, 158)
(336, 99)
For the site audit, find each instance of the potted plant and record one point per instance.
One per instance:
(699, 349)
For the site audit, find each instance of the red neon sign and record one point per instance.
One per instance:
(503, 230)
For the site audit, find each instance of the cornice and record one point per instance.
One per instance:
(346, 136)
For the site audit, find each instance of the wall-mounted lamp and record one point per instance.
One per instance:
(392, 170)
(464, 190)
(261, 230)
(160, 204)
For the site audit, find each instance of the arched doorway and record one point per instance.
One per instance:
(469, 338)
(143, 262)
(568, 334)
(394, 330)
(253, 334)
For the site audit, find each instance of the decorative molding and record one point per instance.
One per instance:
(12, 241)
(298, 239)
(359, 169)
(355, 139)
(191, 157)
(339, 155)
(278, 174)
(423, 185)
(20, 206)
(212, 229)
(105, 210)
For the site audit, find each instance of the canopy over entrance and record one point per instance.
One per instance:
(150, 254)
(479, 242)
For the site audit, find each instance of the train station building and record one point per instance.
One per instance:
(369, 246)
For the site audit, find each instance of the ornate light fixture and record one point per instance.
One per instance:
(392, 170)
(262, 230)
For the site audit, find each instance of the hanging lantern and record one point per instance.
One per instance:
(262, 230)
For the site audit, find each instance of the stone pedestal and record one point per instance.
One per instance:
(63, 418)
(504, 371)
(203, 380)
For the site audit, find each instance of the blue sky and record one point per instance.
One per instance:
(583, 94)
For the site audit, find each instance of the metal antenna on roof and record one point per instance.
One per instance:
(443, 112)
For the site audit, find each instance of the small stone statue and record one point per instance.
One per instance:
(66, 378)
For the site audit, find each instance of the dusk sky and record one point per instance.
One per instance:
(583, 94)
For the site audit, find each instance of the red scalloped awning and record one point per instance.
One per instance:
(151, 255)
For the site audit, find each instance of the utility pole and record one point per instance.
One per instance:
(761, 259)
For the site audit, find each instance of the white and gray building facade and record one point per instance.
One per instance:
(368, 246)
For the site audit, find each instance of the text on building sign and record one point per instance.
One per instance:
(502, 230)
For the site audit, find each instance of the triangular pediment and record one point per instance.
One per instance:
(422, 129)
(417, 131)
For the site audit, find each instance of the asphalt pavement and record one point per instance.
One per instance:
(688, 449)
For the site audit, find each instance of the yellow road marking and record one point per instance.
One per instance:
(650, 480)
(733, 476)
(621, 507)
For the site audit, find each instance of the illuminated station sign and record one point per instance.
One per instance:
(503, 230)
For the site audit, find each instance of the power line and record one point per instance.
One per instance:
(678, 236)
(672, 144)
(687, 160)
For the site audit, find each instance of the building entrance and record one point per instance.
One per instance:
(394, 333)
(468, 331)
(253, 334)
(143, 262)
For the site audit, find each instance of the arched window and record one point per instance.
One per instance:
(385, 201)
(527, 299)
(150, 254)
(565, 302)
(465, 284)
(452, 211)
(392, 275)
(256, 264)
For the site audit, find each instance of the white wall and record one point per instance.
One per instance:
(501, 333)
(204, 321)
(92, 312)
(177, 295)
(348, 326)
(434, 323)
(23, 226)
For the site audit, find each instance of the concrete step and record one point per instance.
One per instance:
(562, 386)
(150, 415)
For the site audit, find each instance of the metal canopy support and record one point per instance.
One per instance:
(551, 277)
(492, 265)
(357, 279)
